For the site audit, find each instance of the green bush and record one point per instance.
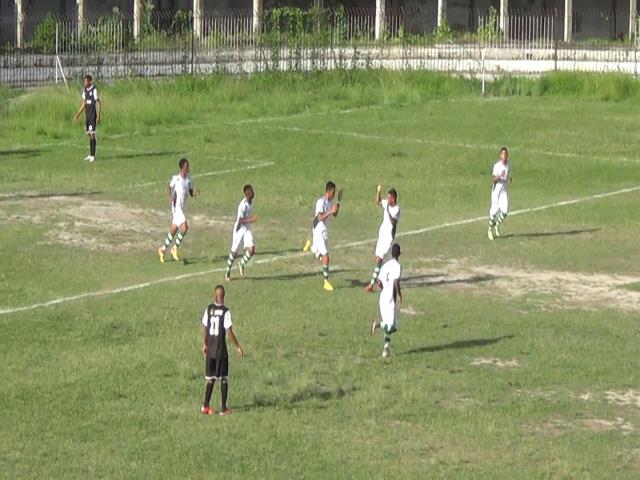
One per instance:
(44, 36)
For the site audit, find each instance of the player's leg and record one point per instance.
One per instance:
(224, 386)
(493, 213)
(250, 249)
(503, 209)
(92, 145)
(374, 275)
(236, 245)
(325, 271)
(182, 231)
(210, 379)
(388, 326)
(167, 241)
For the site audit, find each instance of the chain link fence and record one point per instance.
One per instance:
(469, 42)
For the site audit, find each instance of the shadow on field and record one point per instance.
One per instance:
(21, 152)
(308, 393)
(551, 234)
(134, 155)
(294, 276)
(49, 195)
(476, 342)
(431, 280)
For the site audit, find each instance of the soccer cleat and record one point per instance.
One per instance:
(496, 231)
(207, 411)
(227, 277)
(374, 325)
(386, 353)
(161, 255)
(369, 288)
(490, 233)
(174, 253)
(241, 269)
(225, 412)
(327, 286)
(307, 246)
(92, 159)
(87, 158)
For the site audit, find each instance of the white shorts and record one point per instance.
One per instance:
(383, 246)
(499, 202)
(178, 217)
(242, 238)
(320, 246)
(388, 315)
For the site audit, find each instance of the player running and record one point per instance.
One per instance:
(179, 188)
(499, 198)
(387, 232)
(216, 324)
(325, 209)
(390, 296)
(242, 234)
(92, 108)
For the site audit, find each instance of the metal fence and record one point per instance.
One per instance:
(471, 42)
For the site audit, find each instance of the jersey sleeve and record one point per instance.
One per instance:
(384, 204)
(227, 320)
(205, 317)
(83, 95)
(172, 182)
(394, 212)
(319, 206)
(95, 93)
(241, 209)
(497, 170)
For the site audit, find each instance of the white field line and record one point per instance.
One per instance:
(138, 286)
(473, 146)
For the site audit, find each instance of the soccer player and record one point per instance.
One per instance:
(325, 209)
(216, 324)
(179, 188)
(390, 296)
(387, 232)
(242, 234)
(92, 108)
(499, 198)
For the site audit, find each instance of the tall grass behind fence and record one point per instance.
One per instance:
(291, 39)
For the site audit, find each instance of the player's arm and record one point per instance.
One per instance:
(82, 107)
(322, 216)
(169, 195)
(379, 195)
(394, 220)
(245, 220)
(397, 291)
(234, 339)
(205, 333)
(98, 110)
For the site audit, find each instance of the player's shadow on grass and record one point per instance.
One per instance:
(21, 152)
(294, 276)
(314, 392)
(551, 234)
(49, 195)
(134, 155)
(460, 344)
(430, 280)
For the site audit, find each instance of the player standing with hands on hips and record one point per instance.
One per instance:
(390, 297)
(387, 232)
(92, 108)
(216, 324)
(499, 198)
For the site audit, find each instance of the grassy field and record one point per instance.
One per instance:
(516, 358)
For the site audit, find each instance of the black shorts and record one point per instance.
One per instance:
(91, 124)
(217, 368)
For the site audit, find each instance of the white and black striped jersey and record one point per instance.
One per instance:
(216, 320)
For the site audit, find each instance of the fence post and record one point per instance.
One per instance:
(80, 4)
(555, 55)
(442, 12)
(137, 19)
(193, 27)
(19, 24)
(633, 14)
(568, 20)
(257, 17)
(504, 18)
(380, 19)
(55, 65)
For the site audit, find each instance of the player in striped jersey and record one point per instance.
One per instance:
(242, 233)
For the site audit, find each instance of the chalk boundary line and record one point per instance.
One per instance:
(138, 286)
(445, 143)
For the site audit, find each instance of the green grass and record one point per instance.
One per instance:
(110, 386)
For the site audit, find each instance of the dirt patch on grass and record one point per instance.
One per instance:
(104, 225)
(624, 399)
(546, 289)
(599, 425)
(495, 362)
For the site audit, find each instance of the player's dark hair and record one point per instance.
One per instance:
(393, 192)
(330, 186)
(88, 77)
(246, 188)
(395, 250)
(219, 288)
(504, 150)
(182, 163)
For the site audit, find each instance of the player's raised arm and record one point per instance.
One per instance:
(234, 339)
(378, 195)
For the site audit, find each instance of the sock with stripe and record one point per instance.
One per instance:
(501, 217)
(245, 258)
(180, 238)
(167, 241)
(374, 275)
(230, 260)
(325, 272)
